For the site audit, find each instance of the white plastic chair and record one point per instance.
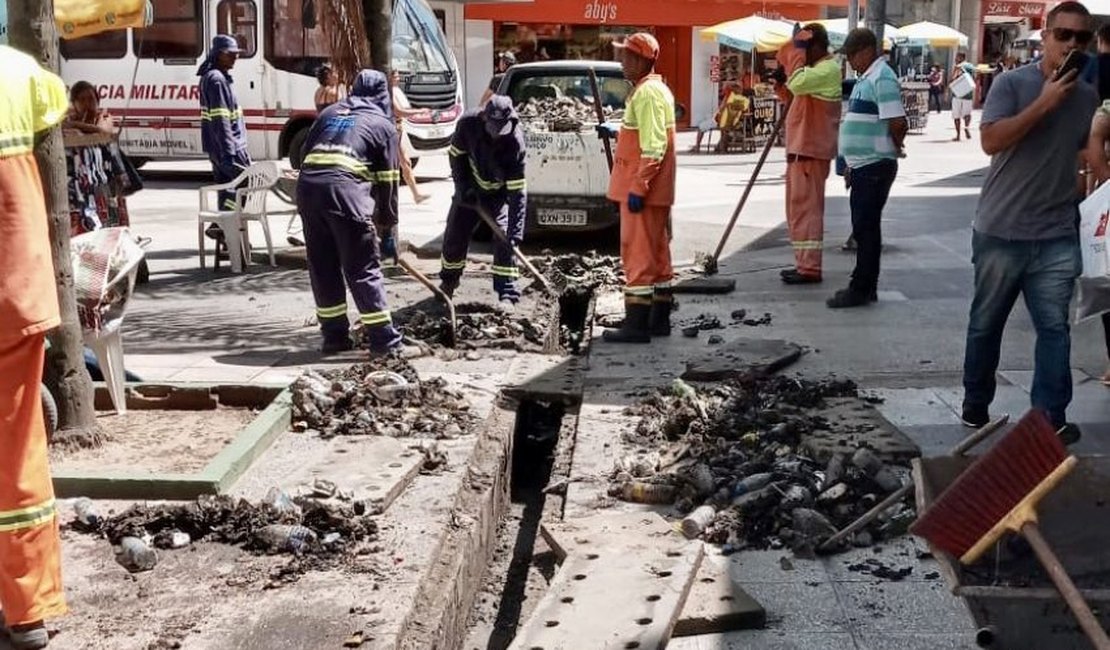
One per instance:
(105, 264)
(251, 188)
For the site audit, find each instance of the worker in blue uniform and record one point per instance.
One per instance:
(223, 134)
(487, 164)
(346, 195)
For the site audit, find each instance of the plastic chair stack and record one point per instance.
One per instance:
(251, 188)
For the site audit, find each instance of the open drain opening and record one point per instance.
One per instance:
(516, 568)
(574, 311)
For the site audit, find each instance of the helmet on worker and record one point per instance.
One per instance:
(499, 116)
(637, 55)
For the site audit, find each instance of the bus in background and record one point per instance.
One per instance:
(282, 45)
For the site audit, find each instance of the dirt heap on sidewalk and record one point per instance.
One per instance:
(383, 398)
(480, 326)
(742, 448)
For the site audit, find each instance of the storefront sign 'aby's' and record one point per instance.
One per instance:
(602, 12)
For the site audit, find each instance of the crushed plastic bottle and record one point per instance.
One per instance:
(136, 555)
(282, 538)
(280, 501)
(697, 521)
(87, 514)
(752, 483)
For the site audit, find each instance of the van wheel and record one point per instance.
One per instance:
(296, 145)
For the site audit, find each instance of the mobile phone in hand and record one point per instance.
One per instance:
(1076, 61)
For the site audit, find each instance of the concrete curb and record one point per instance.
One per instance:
(219, 474)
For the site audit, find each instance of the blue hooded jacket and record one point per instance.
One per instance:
(223, 133)
(351, 166)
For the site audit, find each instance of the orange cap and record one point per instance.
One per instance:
(641, 44)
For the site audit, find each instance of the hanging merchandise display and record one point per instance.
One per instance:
(78, 18)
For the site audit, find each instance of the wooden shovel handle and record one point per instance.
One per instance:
(1066, 587)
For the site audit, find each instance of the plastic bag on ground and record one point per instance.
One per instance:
(1094, 282)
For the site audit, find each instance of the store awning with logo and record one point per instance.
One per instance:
(660, 13)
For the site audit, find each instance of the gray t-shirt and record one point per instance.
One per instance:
(1030, 192)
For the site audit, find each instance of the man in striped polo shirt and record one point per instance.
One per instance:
(871, 140)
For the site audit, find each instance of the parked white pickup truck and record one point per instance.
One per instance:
(567, 171)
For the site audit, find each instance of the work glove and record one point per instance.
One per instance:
(606, 130)
(635, 203)
(389, 245)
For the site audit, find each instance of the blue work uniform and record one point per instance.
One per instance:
(346, 192)
(223, 134)
(488, 170)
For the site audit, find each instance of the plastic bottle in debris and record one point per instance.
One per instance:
(136, 555)
(286, 538)
(752, 483)
(280, 501)
(697, 521)
(87, 513)
(649, 493)
(870, 464)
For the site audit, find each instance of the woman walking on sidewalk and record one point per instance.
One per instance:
(402, 109)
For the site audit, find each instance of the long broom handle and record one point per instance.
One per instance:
(896, 496)
(1066, 587)
(601, 117)
(751, 183)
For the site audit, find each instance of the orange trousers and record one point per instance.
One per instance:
(645, 250)
(30, 549)
(805, 211)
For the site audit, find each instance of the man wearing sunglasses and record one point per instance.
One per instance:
(1024, 242)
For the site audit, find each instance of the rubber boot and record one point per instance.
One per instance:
(635, 327)
(662, 304)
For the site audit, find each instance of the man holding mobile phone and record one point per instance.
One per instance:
(1024, 242)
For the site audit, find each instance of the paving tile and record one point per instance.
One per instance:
(767, 640)
(1024, 378)
(896, 554)
(239, 374)
(938, 440)
(904, 407)
(799, 607)
(1007, 399)
(887, 641)
(905, 607)
(767, 566)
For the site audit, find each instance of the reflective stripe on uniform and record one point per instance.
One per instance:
(353, 165)
(516, 185)
(376, 318)
(28, 517)
(16, 144)
(505, 271)
(489, 186)
(639, 290)
(218, 113)
(807, 245)
(455, 151)
(452, 266)
(335, 311)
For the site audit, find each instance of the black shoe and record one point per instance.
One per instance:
(974, 417)
(1070, 434)
(214, 232)
(337, 345)
(846, 298)
(635, 327)
(661, 307)
(792, 276)
(448, 288)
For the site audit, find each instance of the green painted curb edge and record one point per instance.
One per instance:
(251, 441)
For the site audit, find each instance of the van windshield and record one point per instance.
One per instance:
(614, 90)
(418, 43)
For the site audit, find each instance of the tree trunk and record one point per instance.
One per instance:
(876, 20)
(31, 30)
(379, 29)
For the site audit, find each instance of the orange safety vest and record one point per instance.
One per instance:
(33, 100)
(813, 122)
(645, 163)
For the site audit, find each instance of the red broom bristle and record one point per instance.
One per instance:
(990, 488)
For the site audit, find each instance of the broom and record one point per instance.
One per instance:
(1000, 493)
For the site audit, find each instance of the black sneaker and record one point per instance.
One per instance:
(337, 345)
(846, 298)
(975, 418)
(1069, 434)
(793, 276)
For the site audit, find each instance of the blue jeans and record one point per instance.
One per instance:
(1044, 273)
(870, 189)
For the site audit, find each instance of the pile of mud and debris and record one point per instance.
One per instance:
(563, 114)
(581, 273)
(736, 460)
(318, 532)
(479, 326)
(382, 398)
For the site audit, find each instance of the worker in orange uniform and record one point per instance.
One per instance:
(642, 182)
(812, 121)
(30, 555)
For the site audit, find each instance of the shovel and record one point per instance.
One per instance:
(500, 234)
(452, 323)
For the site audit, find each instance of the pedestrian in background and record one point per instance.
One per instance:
(223, 132)
(963, 104)
(936, 88)
(643, 183)
(872, 138)
(1025, 240)
(402, 110)
(813, 82)
(347, 198)
(505, 60)
(328, 91)
(30, 550)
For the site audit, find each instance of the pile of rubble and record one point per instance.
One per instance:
(381, 399)
(478, 326)
(734, 459)
(318, 532)
(580, 273)
(563, 114)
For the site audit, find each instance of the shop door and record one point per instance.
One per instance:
(675, 60)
